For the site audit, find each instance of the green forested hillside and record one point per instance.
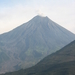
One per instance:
(61, 62)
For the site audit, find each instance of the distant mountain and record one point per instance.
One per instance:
(61, 62)
(27, 44)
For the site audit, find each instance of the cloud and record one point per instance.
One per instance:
(62, 13)
(13, 17)
(40, 12)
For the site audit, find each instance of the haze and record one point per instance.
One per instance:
(15, 12)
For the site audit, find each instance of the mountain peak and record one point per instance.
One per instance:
(39, 16)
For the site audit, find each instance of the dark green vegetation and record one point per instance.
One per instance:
(61, 62)
(29, 43)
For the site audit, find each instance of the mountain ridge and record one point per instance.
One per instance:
(32, 41)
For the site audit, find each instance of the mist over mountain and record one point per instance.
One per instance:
(27, 44)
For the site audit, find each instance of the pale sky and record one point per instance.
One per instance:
(13, 13)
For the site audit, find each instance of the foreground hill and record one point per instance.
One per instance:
(61, 62)
(27, 44)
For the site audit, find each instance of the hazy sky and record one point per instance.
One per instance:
(16, 12)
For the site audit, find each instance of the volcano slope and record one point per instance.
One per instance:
(27, 44)
(61, 62)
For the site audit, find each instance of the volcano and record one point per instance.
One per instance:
(27, 44)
